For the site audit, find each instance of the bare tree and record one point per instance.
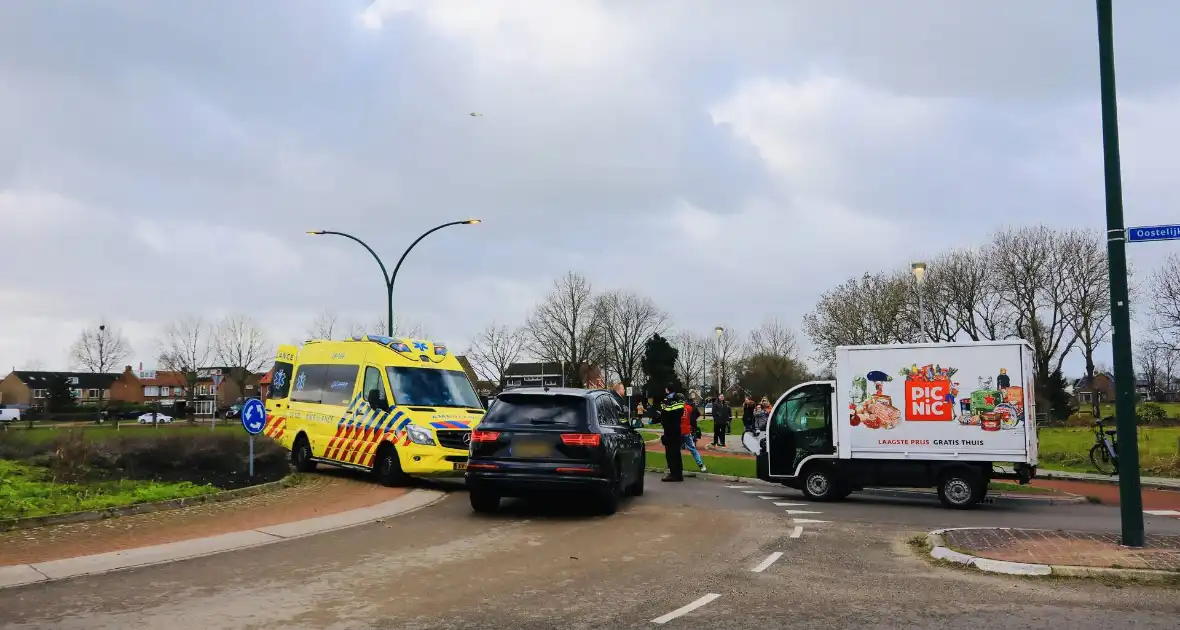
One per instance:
(494, 349)
(690, 360)
(185, 347)
(725, 357)
(1149, 359)
(242, 347)
(1087, 277)
(324, 326)
(627, 321)
(401, 328)
(967, 286)
(872, 309)
(566, 328)
(101, 350)
(773, 338)
(1028, 265)
(1165, 302)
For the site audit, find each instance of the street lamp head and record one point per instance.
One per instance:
(473, 221)
(919, 269)
(316, 232)
(718, 330)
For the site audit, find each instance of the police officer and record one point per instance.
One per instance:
(671, 412)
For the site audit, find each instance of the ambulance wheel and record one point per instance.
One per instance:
(301, 455)
(960, 489)
(820, 484)
(388, 467)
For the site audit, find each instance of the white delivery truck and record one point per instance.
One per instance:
(912, 415)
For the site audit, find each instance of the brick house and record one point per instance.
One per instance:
(1098, 391)
(24, 388)
(165, 388)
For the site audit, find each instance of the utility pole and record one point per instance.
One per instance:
(1130, 497)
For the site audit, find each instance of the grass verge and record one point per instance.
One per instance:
(1068, 449)
(28, 491)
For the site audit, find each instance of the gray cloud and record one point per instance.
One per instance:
(163, 159)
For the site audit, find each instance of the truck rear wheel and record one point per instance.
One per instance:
(821, 484)
(960, 489)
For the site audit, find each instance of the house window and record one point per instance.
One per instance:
(92, 393)
(164, 392)
(178, 391)
(38, 393)
(151, 391)
(76, 393)
(1086, 397)
(73, 380)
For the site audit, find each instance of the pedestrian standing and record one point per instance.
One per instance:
(748, 414)
(721, 417)
(761, 415)
(670, 413)
(690, 428)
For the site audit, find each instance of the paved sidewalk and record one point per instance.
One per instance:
(1161, 482)
(320, 494)
(1062, 548)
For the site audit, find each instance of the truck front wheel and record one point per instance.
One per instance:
(820, 484)
(960, 489)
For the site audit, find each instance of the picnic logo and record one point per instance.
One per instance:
(928, 401)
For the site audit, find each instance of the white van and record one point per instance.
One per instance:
(909, 415)
(9, 415)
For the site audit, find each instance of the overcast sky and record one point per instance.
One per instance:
(732, 160)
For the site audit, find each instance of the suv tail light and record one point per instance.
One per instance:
(485, 436)
(581, 439)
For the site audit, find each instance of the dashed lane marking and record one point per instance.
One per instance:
(808, 520)
(684, 610)
(739, 486)
(784, 504)
(793, 512)
(765, 564)
(798, 531)
(755, 491)
(1151, 512)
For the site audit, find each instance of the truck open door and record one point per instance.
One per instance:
(801, 425)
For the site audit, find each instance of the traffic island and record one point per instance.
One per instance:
(1037, 552)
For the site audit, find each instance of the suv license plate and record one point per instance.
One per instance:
(530, 449)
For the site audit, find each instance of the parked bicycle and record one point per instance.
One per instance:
(1104, 455)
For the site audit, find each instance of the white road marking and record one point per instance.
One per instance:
(767, 562)
(1151, 512)
(684, 610)
(780, 504)
(808, 520)
(739, 486)
(802, 512)
(771, 497)
(756, 491)
(798, 531)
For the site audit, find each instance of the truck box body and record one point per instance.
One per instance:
(971, 401)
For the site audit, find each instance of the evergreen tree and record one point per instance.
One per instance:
(58, 395)
(1053, 392)
(659, 364)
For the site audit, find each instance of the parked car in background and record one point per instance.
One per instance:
(155, 418)
(708, 409)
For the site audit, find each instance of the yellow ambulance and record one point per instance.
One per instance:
(396, 407)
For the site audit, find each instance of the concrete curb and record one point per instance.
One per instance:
(939, 551)
(141, 508)
(1070, 499)
(23, 574)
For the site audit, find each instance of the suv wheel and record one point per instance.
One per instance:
(483, 501)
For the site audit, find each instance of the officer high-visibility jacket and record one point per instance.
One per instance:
(671, 413)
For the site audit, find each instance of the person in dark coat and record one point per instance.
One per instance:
(748, 414)
(722, 414)
(671, 412)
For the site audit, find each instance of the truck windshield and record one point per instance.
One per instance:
(418, 387)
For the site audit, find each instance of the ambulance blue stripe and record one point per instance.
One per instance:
(388, 420)
(401, 425)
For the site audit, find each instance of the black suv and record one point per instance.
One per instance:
(554, 440)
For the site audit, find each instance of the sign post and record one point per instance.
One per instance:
(253, 420)
(1130, 496)
(217, 378)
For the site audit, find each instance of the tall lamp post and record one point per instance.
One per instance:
(919, 269)
(385, 276)
(718, 331)
(1130, 499)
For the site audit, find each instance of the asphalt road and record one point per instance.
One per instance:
(554, 565)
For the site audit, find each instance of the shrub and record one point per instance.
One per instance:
(1151, 413)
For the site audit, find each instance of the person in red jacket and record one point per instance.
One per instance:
(688, 428)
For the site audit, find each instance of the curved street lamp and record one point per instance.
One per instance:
(385, 276)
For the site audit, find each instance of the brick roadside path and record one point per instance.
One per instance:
(1161, 553)
(1108, 493)
(654, 446)
(320, 494)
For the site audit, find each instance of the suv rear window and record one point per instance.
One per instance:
(533, 410)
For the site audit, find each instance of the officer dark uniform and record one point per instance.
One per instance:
(671, 412)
